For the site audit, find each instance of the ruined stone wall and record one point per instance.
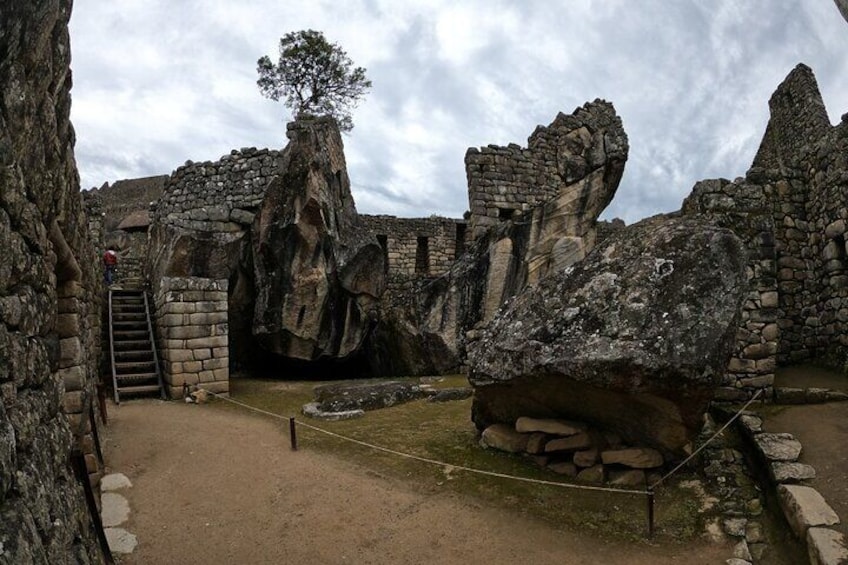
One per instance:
(124, 197)
(191, 316)
(503, 180)
(49, 308)
(218, 196)
(792, 210)
(425, 247)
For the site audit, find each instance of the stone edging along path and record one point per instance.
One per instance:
(807, 512)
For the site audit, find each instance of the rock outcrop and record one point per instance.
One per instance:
(49, 303)
(843, 8)
(533, 211)
(317, 274)
(634, 339)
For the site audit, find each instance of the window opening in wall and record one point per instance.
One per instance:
(383, 240)
(505, 213)
(422, 256)
(459, 246)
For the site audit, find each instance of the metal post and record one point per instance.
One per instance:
(292, 434)
(650, 512)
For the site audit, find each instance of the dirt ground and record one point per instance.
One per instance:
(214, 486)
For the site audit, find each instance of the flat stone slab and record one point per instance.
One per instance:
(120, 540)
(504, 438)
(783, 472)
(114, 509)
(571, 443)
(340, 397)
(553, 427)
(826, 547)
(115, 481)
(449, 394)
(635, 457)
(752, 424)
(313, 410)
(804, 507)
(778, 447)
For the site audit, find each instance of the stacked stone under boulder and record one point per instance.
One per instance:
(634, 339)
(576, 450)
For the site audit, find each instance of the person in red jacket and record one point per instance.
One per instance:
(110, 263)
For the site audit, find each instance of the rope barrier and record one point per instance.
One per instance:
(706, 443)
(434, 461)
(649, 491)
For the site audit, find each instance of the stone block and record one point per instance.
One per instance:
(791, 472)
(563, 468)
(553, 427)
(826, 547)
(504, 438)
(594, 475)
(218, 387)
(68, 325)
(769, 299)
(788, 395)
(207, 318)
(73, 377)
(215, 364)
(536, 443)
(220, 352)
(778, 447)
(201, 354)
(635, 457)
(72, 402)
(222, 374)
(178, 308)
(171, 320)
(189, 332)
(192, 366)
(70, 352)
(576, 442)
(206, 342)
(206, 376)
(627, 478)
(177, 355)
(804, 507)
(586, 458)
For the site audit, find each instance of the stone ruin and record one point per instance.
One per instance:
(262, 256)
(50, 285)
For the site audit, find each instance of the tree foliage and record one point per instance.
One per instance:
(313, 77)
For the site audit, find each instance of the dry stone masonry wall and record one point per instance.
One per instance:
(218, 196)
(191, 314)
(48, 297)
(425, 247)
(506, 180)
(792, 210)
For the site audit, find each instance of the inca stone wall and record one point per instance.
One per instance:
(506, 180)
(49, 308)
(792, 209)
(191, 316)
(219, 196)
(417, 247)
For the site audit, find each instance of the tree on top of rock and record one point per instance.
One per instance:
(313, 77)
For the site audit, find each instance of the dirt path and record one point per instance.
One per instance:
(214, 486)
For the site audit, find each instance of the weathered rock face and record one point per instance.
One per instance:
(317, 275)
(843, 8)
(633, 339)
(49, 339)
(534, 211)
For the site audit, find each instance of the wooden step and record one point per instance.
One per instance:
(138, 389)
(135, 378)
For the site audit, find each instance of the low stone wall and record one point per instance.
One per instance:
(191, 319)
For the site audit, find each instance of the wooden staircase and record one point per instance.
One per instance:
(135, 363)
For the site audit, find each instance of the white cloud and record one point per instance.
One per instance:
(159, 82)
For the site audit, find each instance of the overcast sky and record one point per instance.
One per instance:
(157, 82)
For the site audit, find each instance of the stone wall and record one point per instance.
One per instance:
(125, 197)
(506, 180)
(49, 290)
(792, 210)
(423, 247)
(191, 317)
(218, 196)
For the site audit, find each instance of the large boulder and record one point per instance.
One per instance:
(317, 275)
(633, 339)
